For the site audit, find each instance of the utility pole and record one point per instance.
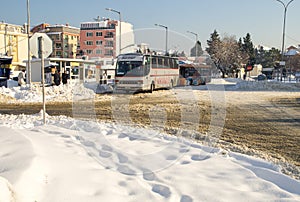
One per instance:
(196, 35)
(166, 35)
(283, 34)
(28, 79)
(120, 30)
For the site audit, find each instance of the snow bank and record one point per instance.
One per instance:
(87, 161)
(62, 93)
(266, 85)
(6, 191)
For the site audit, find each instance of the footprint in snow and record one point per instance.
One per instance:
(54, 132)
(184, 150)
(65, 136)
(185, 198)
(106, 148)
(161, 190)
(198, 157)
(122, 135)
(148, 175)
(88, 143)
(110, 132)
(171, 158)
(104, 154)
(185, 162)
(122, 158)
(125, 170)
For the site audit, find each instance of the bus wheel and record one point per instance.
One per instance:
(152, 87)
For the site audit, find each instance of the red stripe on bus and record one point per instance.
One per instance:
(164, 75)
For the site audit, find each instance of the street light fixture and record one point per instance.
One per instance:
(166, 35)
(196, 41)
(283, 30)
(120, 21)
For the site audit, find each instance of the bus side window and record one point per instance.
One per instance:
(171, 62)
(176, 65)
(160, 63)
(154, 62)
(166, 63)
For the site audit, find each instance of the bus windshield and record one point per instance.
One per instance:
(131, 68)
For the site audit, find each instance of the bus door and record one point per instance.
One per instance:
(147, 63)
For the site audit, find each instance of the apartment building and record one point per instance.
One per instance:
(65, 40)
(14, 42)
(100, 39)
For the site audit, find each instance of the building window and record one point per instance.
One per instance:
(89, 43)
(58, 45)
(89, 51)
(89, 34)
(57, 37)
(98, 33)
(58, 53)
(98, 52)
(109, 52)
(109, 35)
(109, 43)
(99, 43)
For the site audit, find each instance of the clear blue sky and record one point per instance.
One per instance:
(263, 19)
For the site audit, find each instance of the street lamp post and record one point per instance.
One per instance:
(166, 35)
(283, 31)
(28, 79)
(120, 31)
(196, 42)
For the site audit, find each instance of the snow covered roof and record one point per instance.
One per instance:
(292, 52)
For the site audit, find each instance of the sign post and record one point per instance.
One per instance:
(41, 55)
(41, 47)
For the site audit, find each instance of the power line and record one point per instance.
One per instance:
(293, 39)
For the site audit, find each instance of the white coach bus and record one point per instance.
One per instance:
(139, 72)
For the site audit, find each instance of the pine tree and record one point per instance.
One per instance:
(248, 49)
(213, 44)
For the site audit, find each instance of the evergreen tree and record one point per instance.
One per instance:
(213, 44)
(266, 58)
(248, 49)
(213, 48)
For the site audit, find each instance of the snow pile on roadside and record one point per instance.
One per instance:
(62, 93)
(266, 85)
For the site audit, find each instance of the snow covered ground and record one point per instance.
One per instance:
(75, 160)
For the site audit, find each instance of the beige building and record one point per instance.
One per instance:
(14, 42)
(65, 40)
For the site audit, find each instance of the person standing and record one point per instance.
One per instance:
(21, 78)
(57, 78)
